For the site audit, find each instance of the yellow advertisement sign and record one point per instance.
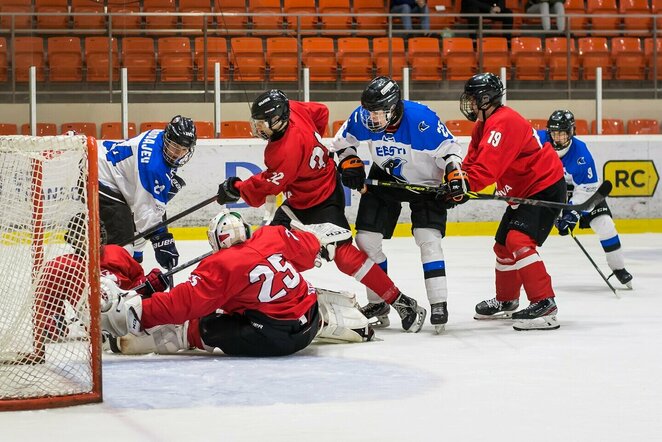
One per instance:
(631, 178)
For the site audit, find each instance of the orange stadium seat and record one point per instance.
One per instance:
(97, 60)
(302, 7)
(150, 125)
(232, 25)
(643, 127)
(86, 128)
(577, 24)
(65, 59)
(355, 59)
(425, 58)
(538, 123)
(395, 55)
(217, 52)
(200, 6)
(528, 58)
(656, 9)
(495, 55)
(28, 51)
(3, 60)
(460, 127)
(636, 25)
(16, 6)
(593, 52)
(335, 24)
(175, 59)
(375, 25)
(247, 59)
(459, 57)
(130, 21)
(43, 129)
(204, 129)
(272, 21)
(139, 58)
(319, 57)
(599, 20)
(51, 7)
(628, 56)
(439, 13)
(236, 129)
(556, 49)
(581, 127)
(160, 21)
(113, 131)
(8, 129)
(97, 21)
(610, 126)
(335, 127)
(282, 58)
(648, 51)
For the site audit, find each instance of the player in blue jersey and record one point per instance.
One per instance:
(582, 179)
(408, 143)
(136, 180)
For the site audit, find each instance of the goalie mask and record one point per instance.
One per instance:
(179, 141)
(227, 229)
(560, 130)
(76, 234)
(481, 92)
(270, 115)
(381, 105)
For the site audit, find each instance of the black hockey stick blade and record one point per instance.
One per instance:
(177, 269)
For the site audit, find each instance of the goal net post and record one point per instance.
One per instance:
(50, 341)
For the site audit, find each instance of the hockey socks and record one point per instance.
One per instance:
(351, 261)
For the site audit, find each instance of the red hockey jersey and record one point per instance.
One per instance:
(506, 150)
(120, 266)
(260, 274)
(298, 164)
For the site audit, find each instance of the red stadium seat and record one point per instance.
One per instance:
(160, 22)
(151, 125)
(581, 127)
(374, 25)
(628, 56)
(3, 60)
(593, 52)
(43, 129)
(199, 6)
(8, 129)
(65, 59)
(556, 49)
(204, 129)
(52, 7)
(85, 128)
(538, 123)
(29, 51)
(282, 58)
(335, 25)
(495, 55)
(217, 52)
(337, 124)
(389, 60)
(303, 8)
(610, 126)
(139, 58)
(16, 6)
(528, 58)
(248, 59)
(648, 51)
(98, 61)
(319, 56)
(236, 129)
(175, 59)
(97, 21)
(271, 22)
(636, 25)
(460, 127)
(355, 59)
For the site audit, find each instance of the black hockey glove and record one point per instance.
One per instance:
(165, 252)
(352, 172)
(155, 281)
(176, 184)
(567, 222)
(227, 192)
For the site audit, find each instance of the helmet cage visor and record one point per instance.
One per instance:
(560, 138)
(377, 120)
(175, 154)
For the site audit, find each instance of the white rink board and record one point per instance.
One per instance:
(216, 159)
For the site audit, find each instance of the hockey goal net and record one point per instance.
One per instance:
(49, 278)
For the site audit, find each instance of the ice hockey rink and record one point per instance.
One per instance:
(597, 378)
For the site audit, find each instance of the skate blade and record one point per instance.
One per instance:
(500, 315)
(439, 329)
(420, 320)
(542, 323)
(380, 322)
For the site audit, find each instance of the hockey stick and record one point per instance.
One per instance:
(179, 268)
(172, 219)
(595, 266)
(598, 196)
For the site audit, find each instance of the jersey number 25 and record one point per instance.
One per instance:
(278, 269)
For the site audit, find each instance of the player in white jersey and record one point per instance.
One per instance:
(408, 143)
(137, 179)
(582, 179)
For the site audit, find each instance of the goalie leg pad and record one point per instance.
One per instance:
(163, 339)
(343, 321)
(120, 311)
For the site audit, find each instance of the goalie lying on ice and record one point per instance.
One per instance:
(268, 308)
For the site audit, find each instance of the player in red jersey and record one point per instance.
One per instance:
(268, 308)
(298, 164)
(506, 150)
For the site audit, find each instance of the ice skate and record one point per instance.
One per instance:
(494, 309)
(539, 315)
(379, 311)
(412, 315)
(623, 276)
(439, 316)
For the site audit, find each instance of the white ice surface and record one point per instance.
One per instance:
(597, 378)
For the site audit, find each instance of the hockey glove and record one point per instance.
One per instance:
(567, 222)
(176, 184)
(155, 281)
(121, 310)
(227, 192)
(352, 172)
(165, 252)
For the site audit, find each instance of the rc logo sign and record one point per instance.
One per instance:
(631, 178)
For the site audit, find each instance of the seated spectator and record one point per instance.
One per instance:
(542, 7)
(412, 7)
(495, 9)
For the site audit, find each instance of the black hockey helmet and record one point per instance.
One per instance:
(179, 141)
(561, 129)
(270, 114)
(77, 230)
(485, 90)
(381, 104)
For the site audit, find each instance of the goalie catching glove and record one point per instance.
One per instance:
(120, 310)
(328, 234)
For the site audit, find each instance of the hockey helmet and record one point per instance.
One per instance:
(270, 114)
(179, 141)
(482, 91)
(76, 233)
(381, 105)
(227, 229)
(560, 130)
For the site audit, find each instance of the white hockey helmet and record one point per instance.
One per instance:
(227, 229)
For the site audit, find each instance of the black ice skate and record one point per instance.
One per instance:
(412, 315)
(379, 311)
(539, 315)
(439, 316)
(623, 276)
(367, 333)
(493, 309)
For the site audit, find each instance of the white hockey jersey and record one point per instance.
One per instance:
(136, 169)
(417, 152)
